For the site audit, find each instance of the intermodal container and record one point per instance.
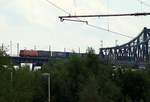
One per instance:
(44, 53)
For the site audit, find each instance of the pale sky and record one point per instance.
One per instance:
(35, 22)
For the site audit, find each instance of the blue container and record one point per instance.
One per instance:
(44, 53)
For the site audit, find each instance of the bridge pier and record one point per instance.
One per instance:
(35, 61)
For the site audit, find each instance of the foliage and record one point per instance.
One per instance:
(4, 59)
(76, 79)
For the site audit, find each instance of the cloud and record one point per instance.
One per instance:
(36, 22)
(3, 25)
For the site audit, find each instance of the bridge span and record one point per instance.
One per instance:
(136, 51)
(35, 61)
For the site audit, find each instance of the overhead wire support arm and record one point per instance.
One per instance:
(74, 20)
(105, 15)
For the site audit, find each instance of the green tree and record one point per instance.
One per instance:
(70, 79)
(4, 59)
(89, 91)
(133, 84)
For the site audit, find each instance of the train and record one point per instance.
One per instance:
(41, 53)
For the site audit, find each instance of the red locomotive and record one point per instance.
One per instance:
(28, 53)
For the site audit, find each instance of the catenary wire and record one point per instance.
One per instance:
(104, 29)
(91, 25)
(144, 3)
(56, 6)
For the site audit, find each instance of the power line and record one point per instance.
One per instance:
(97, 27)
(56, 6)
(78, 20)
(100, 28)
(144, 3)
(75, 20)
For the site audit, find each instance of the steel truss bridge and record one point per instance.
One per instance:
(135, 52)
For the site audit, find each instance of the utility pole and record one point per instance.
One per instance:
(11, 48)
(116, 42)
(79, 50)
(50, 50)
(101, 43)
(2, 46)
(49, 94)
(64, 49)
(34, 47)
(48, 83)
(17, 49)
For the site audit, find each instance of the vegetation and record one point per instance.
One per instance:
(76, 79)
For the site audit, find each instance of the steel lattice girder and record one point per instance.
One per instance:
(136, 50)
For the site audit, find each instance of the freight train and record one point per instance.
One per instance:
(39, 53)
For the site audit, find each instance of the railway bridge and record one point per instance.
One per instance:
(35, 61)
(136, 51)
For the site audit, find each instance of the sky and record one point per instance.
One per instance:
(35, 24)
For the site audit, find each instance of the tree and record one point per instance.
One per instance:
(89, 91)
(134, 85)
(74, 77)
(4, 58)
